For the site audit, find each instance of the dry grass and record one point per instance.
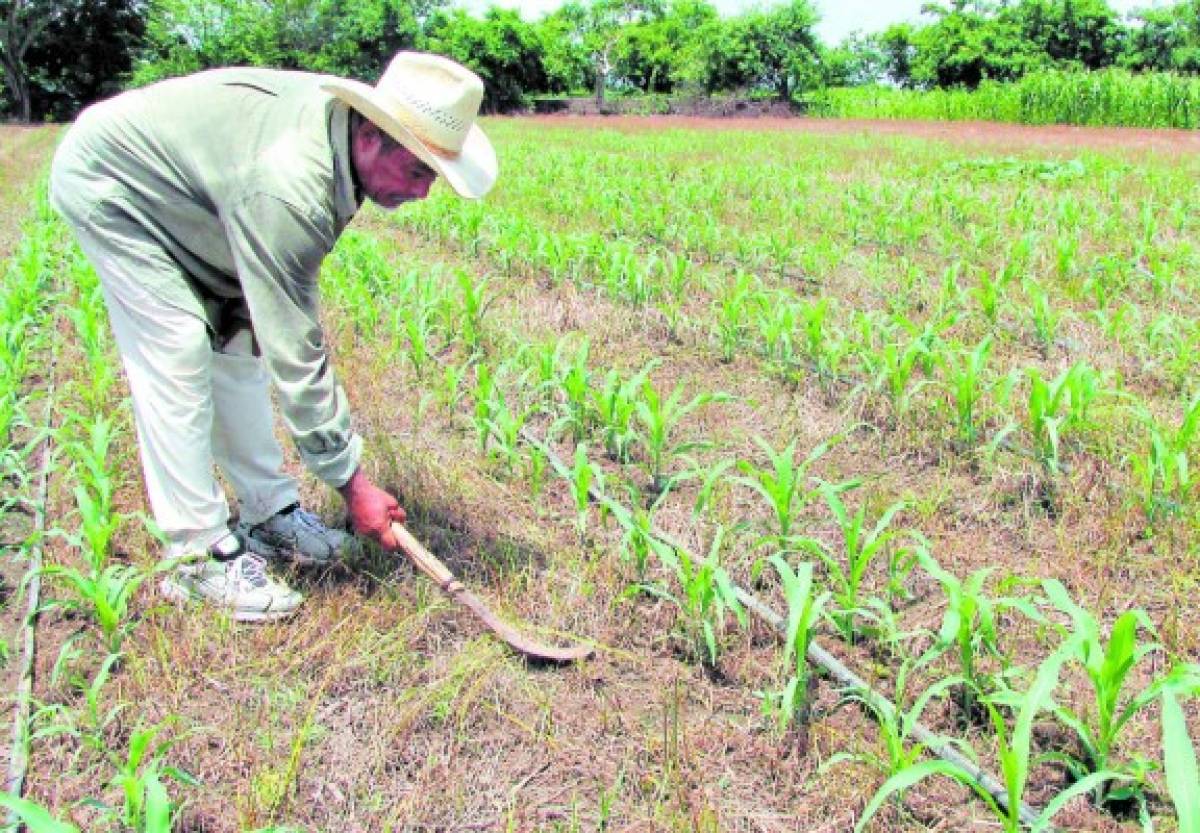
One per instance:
(382, 707)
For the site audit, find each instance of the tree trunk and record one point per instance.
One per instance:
(17, 33)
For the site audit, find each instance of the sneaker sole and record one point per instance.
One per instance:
(180, 595)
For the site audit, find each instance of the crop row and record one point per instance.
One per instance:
(554, 388)
(51, 291)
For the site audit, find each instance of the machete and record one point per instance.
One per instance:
(428, 564)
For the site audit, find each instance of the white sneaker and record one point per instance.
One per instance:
(234, 579)
(297, 534)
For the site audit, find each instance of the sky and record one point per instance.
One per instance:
(839, 17)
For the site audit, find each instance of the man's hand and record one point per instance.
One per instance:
(372, 510)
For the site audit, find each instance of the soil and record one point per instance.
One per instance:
(990, 134)
(384, 707)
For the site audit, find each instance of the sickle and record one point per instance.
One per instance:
(428, 564)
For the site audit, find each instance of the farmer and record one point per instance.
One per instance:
(206, 205)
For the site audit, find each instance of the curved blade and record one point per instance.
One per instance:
(429, 564)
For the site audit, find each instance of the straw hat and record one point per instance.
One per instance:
(429, 104)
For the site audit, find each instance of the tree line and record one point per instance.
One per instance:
(59, 55)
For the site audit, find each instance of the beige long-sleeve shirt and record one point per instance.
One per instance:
(243, 176)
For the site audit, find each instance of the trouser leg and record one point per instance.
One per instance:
(243, 436)
(168, 359)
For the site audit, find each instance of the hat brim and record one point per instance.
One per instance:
(471, 173)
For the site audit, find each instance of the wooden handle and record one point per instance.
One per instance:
(428, 564)
(426, 561)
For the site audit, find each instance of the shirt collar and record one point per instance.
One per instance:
(346, 198)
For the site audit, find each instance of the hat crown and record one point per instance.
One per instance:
(436, 98)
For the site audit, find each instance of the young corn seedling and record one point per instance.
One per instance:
(575, 391)
(791, 705)
(896, 724)
(894, 375)
(825, 345)
(640, 541)
(1113, 705)
(504, 427)
(1014, 754)
(658, 419)
(580, 479)
(615, 405)
(783, 484)
(964, 373)
(1045, 319)
(474, 304)
(706, 595)
(1179, 764)
(861, 544)
(733, 314)
(1045, 414)
(989, 295)
(1163, 472)
(969, 629)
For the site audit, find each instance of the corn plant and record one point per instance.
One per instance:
(659, 418)
(615, 405)
(474, 304)
(639, 540)
(1045, 319)
(1112, 705)
(1162, 472)
(733, 314)
(896, 724)
(574, 385)
(860, 545)
(893, 369)
(791, 705)
(1014, 754)
(1045, 414)
(964, 371)
(969, 628)
(825, 345)
(139, 769)
(782, 484)
(503, 427)
(705, 596)
(1179, 764)
(580, 478)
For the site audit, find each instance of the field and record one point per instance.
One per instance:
(929, 396)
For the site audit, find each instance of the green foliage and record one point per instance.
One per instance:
(1179, 762)
(501, 48)
(705, 596)
(1014, 753)
(1113, 705)
(805, 607)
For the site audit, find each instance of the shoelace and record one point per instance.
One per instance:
(253, 570)
(308, 519)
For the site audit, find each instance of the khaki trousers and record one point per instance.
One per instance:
(194, 406)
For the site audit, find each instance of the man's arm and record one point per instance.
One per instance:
(277, 251)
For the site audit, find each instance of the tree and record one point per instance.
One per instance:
(501, 48)
(21, 21)
(567, 65)
(1165, 40)
(598, 27)
(858, 60)
(1085, 33)
(83, 54)
(352, 38)
(897, 45)
(784, 43)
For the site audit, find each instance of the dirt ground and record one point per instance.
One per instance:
(1011, 136)
(384, 708)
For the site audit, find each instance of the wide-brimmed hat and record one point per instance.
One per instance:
(429, 104)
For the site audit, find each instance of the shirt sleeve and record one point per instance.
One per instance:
(277, 251)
